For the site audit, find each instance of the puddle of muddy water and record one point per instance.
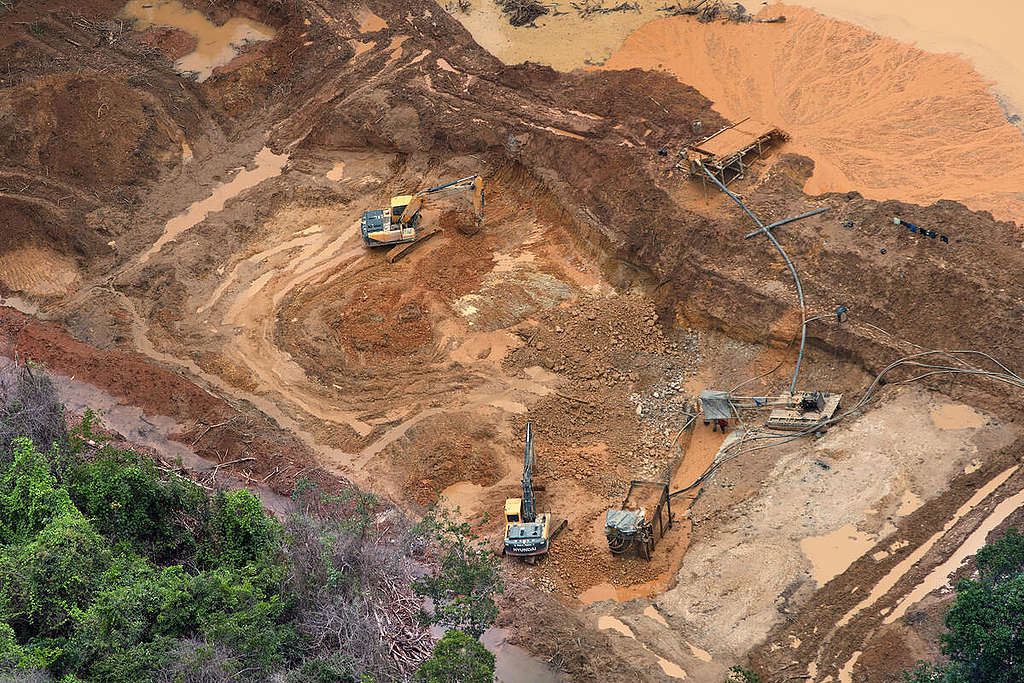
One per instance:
(368, 21)
(609, 623)
(217, 45)
(652, 612)
(564, 42)
(939, 577)
(268, 165)
(909, 503)
(834, 552)
(513, 664)
(463, 496)
(19, 304)
(846, 673)
(702, 655)
(897, 572)
(337, 171)
(957, 416)
(671, 668)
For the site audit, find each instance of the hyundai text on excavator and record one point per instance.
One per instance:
(398, 224)
(527, 533)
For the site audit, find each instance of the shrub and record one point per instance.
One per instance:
(29, 496)
(244, 532)
(457, 657)
(338, 668)
(128, 501)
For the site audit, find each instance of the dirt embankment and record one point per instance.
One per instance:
(216, 430)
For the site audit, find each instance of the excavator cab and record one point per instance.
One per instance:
(384, 226)
(513, 510)
(398, 204)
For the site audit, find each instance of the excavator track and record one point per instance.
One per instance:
(399, 252)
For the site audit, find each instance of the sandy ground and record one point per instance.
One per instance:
(879, 117)
(891, 120)
(986, 35)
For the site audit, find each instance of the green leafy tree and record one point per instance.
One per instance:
(985, 641)
(44, 582)
(463, 587)
(244, 531)
(741, 674)
(457, 658)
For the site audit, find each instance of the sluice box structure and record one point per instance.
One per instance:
(726, 152)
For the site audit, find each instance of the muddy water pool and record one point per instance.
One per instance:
(217, 45)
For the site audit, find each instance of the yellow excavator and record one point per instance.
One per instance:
(398, 224)
(527, 533)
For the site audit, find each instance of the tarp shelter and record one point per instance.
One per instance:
(715, 405)
(626, 521)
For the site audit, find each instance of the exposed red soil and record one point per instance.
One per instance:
(174, 43)
(138, 382)
(575, 178)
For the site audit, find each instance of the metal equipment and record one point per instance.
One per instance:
(527, 533)
(398, 224)
(632, 526)
(803, 410)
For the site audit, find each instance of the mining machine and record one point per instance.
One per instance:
(398, 223)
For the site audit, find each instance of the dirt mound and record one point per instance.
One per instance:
(216, 430)
(877, 116)
(459, 221)
(37, 271)
(443, 450)
(380, 320)
(172, 42)
(91, 130)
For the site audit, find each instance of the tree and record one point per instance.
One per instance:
(985, 641)
(457, 658)
(468, 576)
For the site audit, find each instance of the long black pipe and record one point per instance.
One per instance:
(792, 270)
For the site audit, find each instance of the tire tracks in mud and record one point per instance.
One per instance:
(240, 317)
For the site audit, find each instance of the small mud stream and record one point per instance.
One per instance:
(267, 165)
(897, 572)
(939, 576)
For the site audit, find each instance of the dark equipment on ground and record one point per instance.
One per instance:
(633, 525)
(398, 224)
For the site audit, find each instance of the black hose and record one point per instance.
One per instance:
(792, 270)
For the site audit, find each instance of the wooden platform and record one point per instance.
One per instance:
(793, 419)
(723, 153)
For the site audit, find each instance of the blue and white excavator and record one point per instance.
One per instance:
(399, 223)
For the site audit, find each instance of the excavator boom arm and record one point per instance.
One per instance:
(473, 182)
(529, 504)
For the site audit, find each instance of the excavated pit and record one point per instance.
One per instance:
(193, 249)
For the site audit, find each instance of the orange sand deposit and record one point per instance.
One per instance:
(882, 118)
